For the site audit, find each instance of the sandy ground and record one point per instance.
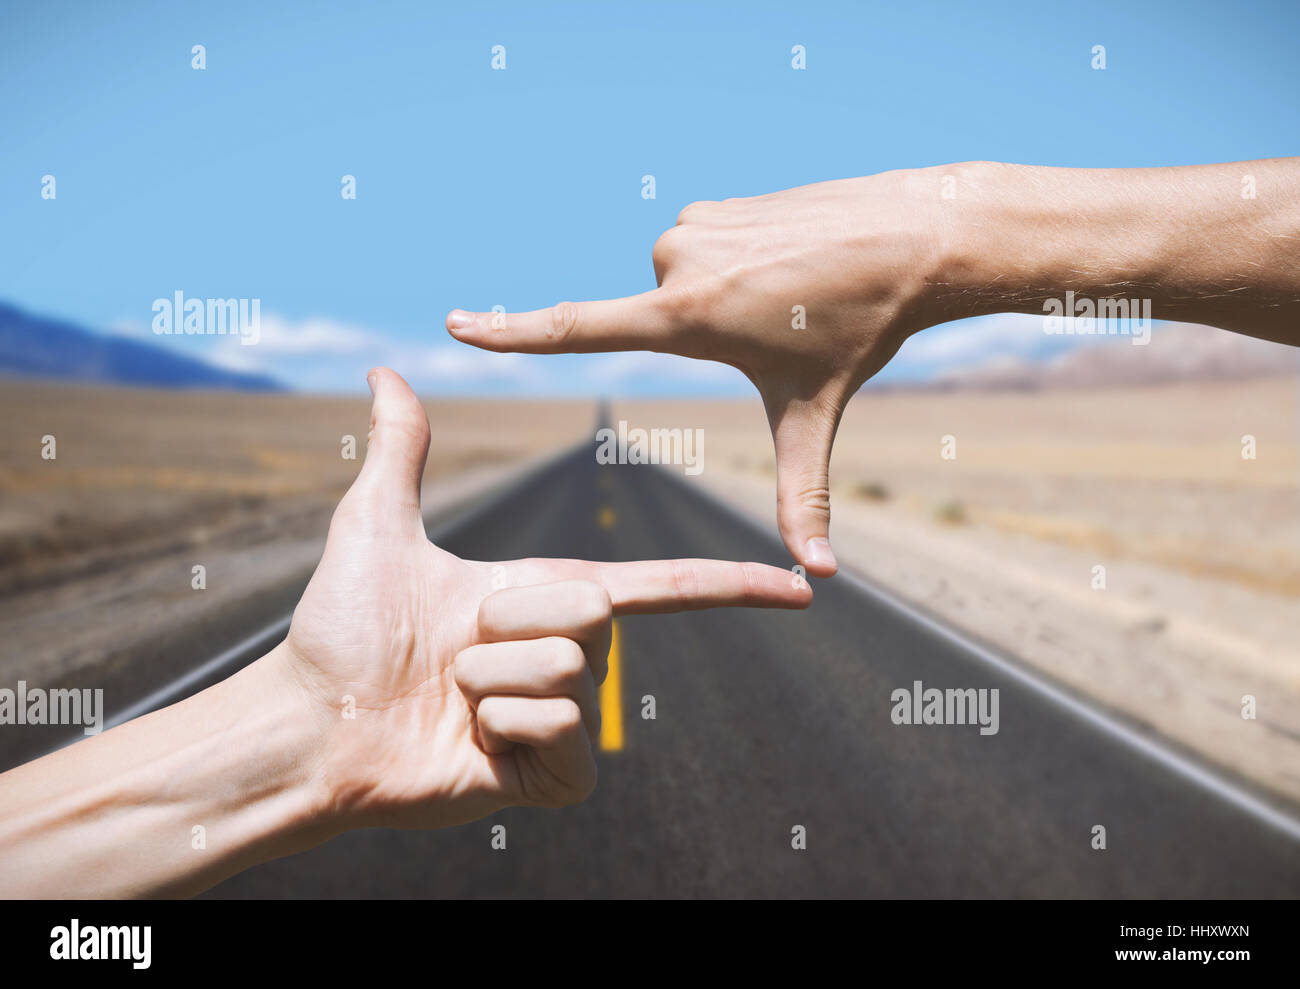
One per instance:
(1201, 548)
(97, 546)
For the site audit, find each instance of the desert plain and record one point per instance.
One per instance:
(1196, 611)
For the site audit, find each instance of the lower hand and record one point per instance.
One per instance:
(473, 684)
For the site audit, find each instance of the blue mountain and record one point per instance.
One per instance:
(40, 347)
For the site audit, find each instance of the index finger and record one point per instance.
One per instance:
(637, 322)
(662, 586)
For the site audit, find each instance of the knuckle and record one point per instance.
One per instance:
(490, 613)
(568, 662)
(487, 714)
(814, 498)
(591, 604)
(568, 719)
(688, 305)
(407, 417)
(410, 416)
(415, 423)
(693, 211)
(462, 668)
(667, 246)
(563, 322)
(686, 582)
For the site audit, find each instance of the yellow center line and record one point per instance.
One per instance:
(611, 699)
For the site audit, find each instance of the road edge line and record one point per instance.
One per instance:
(1153, 747)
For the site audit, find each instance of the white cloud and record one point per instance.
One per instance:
(131, 329)
(314, 336)
(461, 367)
(976, 339)
(312, 354)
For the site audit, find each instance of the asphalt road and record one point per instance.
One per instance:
(769, 720)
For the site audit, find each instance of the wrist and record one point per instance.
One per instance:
(333, 773)
(300, 721)
(910, 230)
(277, 787)
(989, 257)
(1017, 236)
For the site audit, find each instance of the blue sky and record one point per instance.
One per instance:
(519, 188)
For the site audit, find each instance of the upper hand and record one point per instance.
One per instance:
(853, 256)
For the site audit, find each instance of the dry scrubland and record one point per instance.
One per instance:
(1201, 547)
(96, 546)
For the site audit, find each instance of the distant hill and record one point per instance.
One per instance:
(1176, 352)
(40, 347)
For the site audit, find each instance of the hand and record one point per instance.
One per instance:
(473, 684)
(414, 689)
(852, 256)
(870, 261)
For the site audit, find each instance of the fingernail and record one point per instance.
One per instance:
(370, 380)
(817, 552)
(459, 319)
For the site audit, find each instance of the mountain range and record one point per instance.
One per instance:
(34, 346)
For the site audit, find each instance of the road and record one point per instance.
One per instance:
(766, 721)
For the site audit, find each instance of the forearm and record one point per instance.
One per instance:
(1187, 239)
(115, 815)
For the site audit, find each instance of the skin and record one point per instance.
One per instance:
(474, 688)
(873, 260)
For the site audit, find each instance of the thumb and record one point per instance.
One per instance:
(803, 431)
(398, 443)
